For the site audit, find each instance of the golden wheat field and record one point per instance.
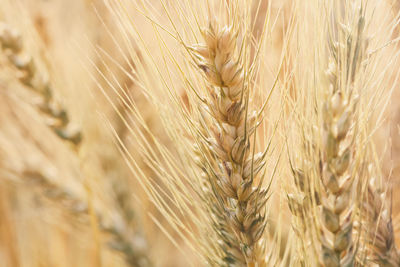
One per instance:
(140, 133)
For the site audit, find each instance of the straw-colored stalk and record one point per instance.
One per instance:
(230, 167)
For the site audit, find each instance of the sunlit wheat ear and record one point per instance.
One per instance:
(28, 73)
(235, 194)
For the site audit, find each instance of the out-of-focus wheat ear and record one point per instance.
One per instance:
(326, 163)
(338, 172)
(29, 74)
(237, 200)
(337, 181)
(131, 245)
(377, 224)
(302, 199)
(296, 206)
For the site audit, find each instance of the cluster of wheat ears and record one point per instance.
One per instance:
(247, 132)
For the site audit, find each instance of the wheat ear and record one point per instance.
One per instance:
(123, 240)
(131, 245)
(326, 202)
(300, 204)
(338, 184)
(339, 147)
(377, 224)
(230, 168)
(12, 44)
